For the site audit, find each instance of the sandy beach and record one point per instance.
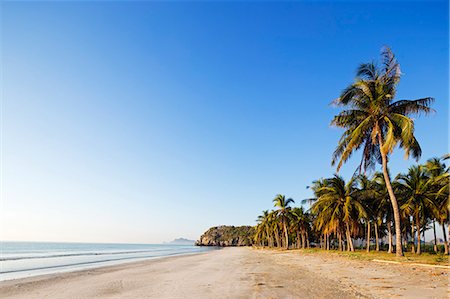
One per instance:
(239, 273)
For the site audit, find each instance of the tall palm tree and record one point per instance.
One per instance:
(282, 203)
(375, 123)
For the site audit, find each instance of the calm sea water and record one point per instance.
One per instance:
(24, 259)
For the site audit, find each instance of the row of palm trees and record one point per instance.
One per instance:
(342, 212)
(275, 227)
(376, 124)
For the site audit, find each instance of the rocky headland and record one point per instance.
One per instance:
(227, 236)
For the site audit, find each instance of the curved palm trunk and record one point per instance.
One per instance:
(286, 235)
(377, 243)
(303, 241)
(445, 239)
(307, 240)
(395, 209)
(413, 236)
(322, 241)
(435, 239)
(349, 238)
(418, 234)
(389, 237)
(328, 241)
(368, 237)
(405, 241)
(277, 236)
(271, 241)
(299, 239)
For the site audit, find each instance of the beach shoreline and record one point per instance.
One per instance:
(96, 266)
(238, 273)
(28, 259)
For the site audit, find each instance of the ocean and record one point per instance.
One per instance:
(25, 259)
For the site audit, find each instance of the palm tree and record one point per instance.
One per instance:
(375, 123)
(273, 221)
(259, 235)
(264, 221)
(434, 169)
(300, 222)
(417, 190)
(439, 173)
(337, 207)
(284, 211)
(260, 228)
(366, 194)
(322, 221)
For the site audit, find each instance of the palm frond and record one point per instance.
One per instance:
(412, 107)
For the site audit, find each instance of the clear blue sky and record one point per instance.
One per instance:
(142, 122)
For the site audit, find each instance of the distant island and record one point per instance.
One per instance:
(181, 241)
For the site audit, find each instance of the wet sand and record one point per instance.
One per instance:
(239, 273)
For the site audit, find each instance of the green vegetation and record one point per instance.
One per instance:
(345, 213)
